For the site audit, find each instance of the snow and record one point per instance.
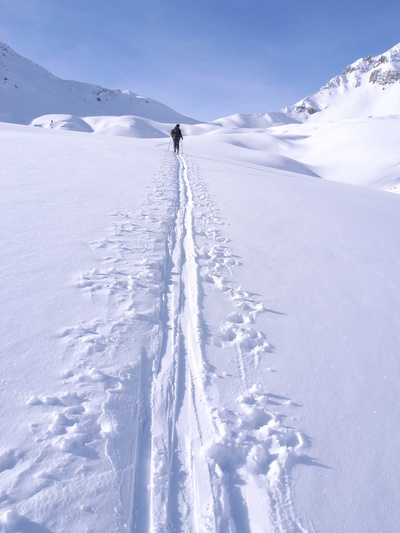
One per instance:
(206, 341)
(199, 342)
(29, 91)
(367, 88)
(359, 151)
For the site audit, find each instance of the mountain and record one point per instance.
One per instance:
(368, 87)
(28, 91)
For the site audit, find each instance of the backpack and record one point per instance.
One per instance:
(176, 132)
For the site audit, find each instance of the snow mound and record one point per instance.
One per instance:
(126, 126)
(256, 147)
(359, 151)
(261, 121)
(65, 122)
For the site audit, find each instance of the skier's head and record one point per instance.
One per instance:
(177, 126)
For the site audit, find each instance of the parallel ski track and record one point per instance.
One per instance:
(186, 492)
(191, 487)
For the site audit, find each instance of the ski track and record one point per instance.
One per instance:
(180, 460)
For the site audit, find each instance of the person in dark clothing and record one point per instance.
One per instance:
(176, 135)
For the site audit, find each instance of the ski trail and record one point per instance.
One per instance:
(186, 491)
(205, 429)
(215, 466)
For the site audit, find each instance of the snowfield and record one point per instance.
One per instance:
(206, 342)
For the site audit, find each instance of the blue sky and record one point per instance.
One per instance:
(203, 58)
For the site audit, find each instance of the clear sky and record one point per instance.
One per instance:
(204, 58)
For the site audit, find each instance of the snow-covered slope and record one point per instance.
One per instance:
(197, 343)
(368, 87)
(359, 151)
(261, 121)
(28, 91)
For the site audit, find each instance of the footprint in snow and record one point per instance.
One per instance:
(11, 522)
(71, 428)
(254, 440)
(9, 459)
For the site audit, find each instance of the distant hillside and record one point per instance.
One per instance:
(368, 87)
(257, 121)
(28, 91)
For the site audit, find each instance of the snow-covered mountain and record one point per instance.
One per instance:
(205, 341)
(368, 87)
(28, 91)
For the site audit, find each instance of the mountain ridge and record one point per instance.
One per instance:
(29, 91)
(369, 86)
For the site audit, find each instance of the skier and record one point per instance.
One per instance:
(176, 135)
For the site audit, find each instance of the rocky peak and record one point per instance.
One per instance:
(366, 76)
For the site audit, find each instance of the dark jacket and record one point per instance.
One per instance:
(176, 133)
